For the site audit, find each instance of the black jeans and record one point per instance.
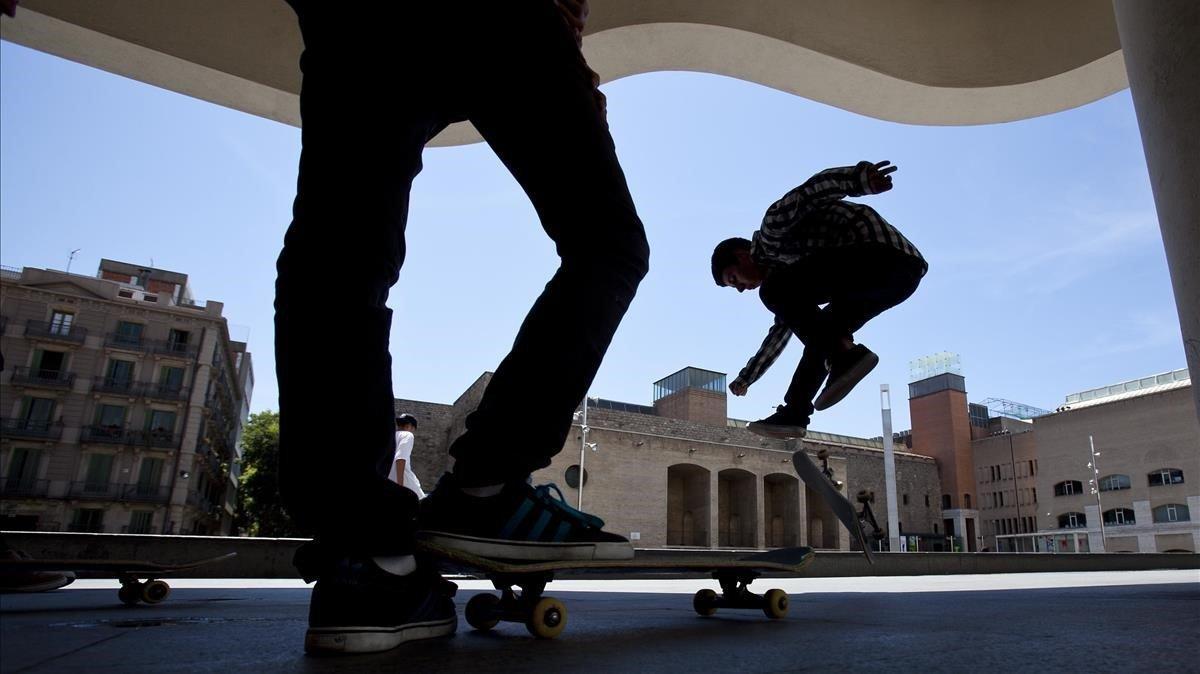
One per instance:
(855, 285)
(379, 82)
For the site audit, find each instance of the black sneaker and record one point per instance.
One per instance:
(845, 371)
(785, 424)
(357, 607)
(521, 523)
(21, 580)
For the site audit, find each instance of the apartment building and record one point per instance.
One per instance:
(122, 402)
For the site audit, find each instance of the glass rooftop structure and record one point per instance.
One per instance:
(1128, 386)
(689, 377)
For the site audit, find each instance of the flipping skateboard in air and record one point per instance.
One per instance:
(821, 480)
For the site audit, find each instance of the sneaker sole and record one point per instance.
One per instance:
(349, 639)
(528, 551)
(836, 390)
(777, 431)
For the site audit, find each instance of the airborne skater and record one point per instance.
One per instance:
(812, 249)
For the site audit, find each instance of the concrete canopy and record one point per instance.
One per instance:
(939, 62)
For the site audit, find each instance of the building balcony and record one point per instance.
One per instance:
(31, 428)
(119, 435)
(42, 378)
(70, 334)
(16, 488)
(138, 493)
(95, 491)
(166, 392)
(158, 438)
(116, 340)
(108, 435)
(82, 528)
(124, 387)
(169, 348)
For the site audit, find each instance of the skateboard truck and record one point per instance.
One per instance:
(735, 593)
(823, 455)
(521, 600)
(867, 517)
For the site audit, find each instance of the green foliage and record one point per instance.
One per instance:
(260, 509)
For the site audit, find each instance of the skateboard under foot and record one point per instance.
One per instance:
(522, 585)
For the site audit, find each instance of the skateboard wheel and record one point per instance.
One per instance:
(130, 593)
(548, 618)
(481, 611)
(775, 604)
(705, 602)
(155, 591)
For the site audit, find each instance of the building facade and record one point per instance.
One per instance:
(123, 402)
(1140, 492)
(679, 472)
(1019, 479)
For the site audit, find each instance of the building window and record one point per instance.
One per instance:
(23, 470)
(161, 423)
(139, 521)
(1166, 476)
(906, 499)
(178, 340)
(1068, 487)
(1118, 516)
(927, 500)
(38, 412)
(945, 501)
(49, 364)
(60, 323)
(170, 378)
(966, 500)
(1172, 512)
(1032, 470)
(1115, 482)
(128, 333)
(1072, 521)
(111, 417)
(1034, 492)
(120, 374)
(88, 519)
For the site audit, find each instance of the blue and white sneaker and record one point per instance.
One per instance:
(522, 523)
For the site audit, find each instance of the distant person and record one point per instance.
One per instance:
(812, 249)
(402, 472)
(379, 81)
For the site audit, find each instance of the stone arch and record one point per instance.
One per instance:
(688, 504)
(737, 509)
(781, 503)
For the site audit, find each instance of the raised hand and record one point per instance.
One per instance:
(879, 176)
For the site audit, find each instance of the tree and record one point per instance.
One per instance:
(260, 509)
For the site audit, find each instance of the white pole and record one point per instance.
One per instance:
(582, 450)
(1095, 466)
(889, 470)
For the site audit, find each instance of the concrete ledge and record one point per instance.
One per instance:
(272, 557)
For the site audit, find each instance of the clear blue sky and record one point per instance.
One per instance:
(1047, 269)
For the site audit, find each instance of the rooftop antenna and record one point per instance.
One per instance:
(72, 259)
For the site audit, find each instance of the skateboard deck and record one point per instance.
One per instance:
(842, 508)
(139, 579)
(521, 584)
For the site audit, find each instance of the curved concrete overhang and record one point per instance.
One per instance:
(940, 62)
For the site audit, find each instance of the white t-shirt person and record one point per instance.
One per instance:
(404, 447)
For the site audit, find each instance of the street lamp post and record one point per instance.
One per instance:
(584, 445)
(1095, 482)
